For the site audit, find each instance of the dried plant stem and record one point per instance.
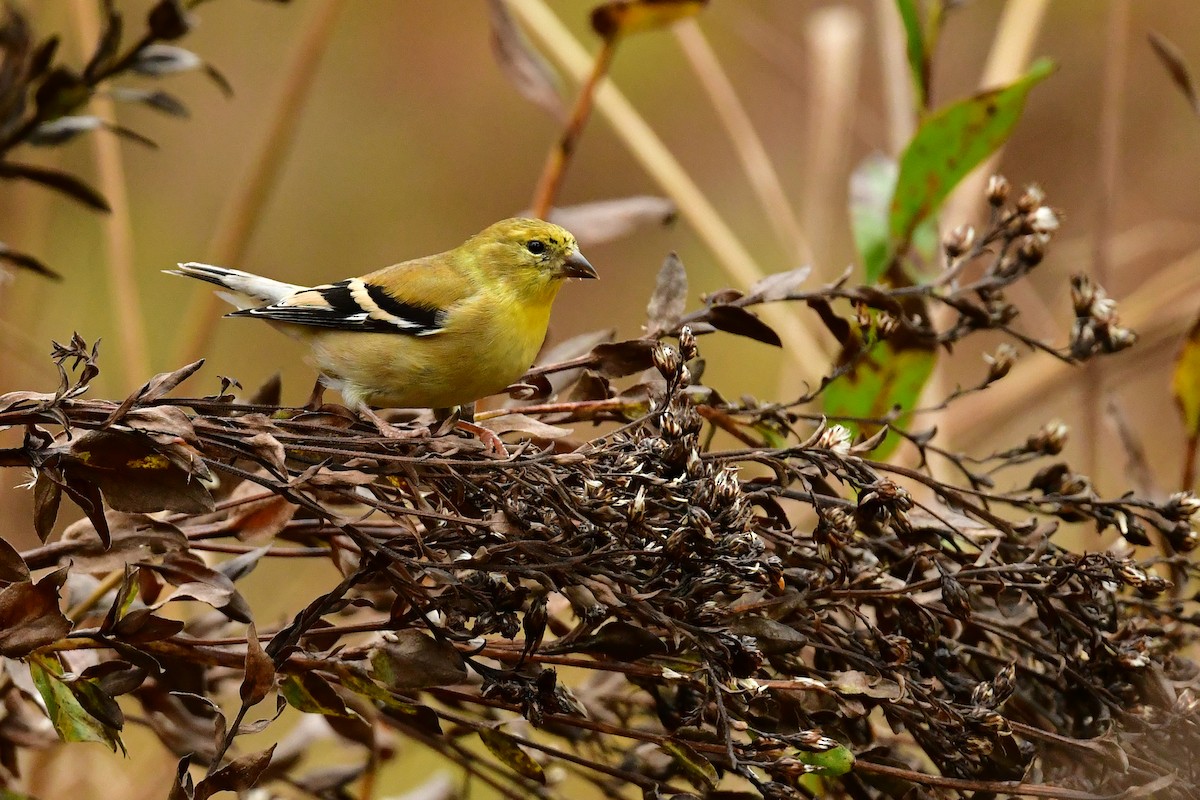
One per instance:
(1011, 49)
(559, 156)
(125, 303)
(763, 177)
(975, 417)
(1116, 64)
(657, 160)
(241, 213)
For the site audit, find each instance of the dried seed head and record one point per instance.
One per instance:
(687, 343)
(637, 509)
(666, 360)
(955, 597)
(886, 324)
(997, 190)
(1031, 251)
(1000, 362)
(1181, 506)
(1183, 537)
(1083, 295)
(836, 438)
(1030, 199)
(1120, 338)
(1050, 440)
(959, 241)
(1043, 220)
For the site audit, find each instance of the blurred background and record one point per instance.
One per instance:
(410, 138)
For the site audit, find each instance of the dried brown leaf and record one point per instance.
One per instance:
(523, 65)
(603, 221)
(30, 616)
(669, 300)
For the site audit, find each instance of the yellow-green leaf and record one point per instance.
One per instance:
(623, 17)
(505, 748)
(67, 714)
(830, 763)
(1185, 382)
(312, 694)
(918, 54)
(698, 769)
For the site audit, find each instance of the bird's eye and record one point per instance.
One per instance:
(537, 247)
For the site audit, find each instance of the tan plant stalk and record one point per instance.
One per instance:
(242, 211)
(662, 166)
(833, 41)
(763, 177)
(125, 305)
(1116, 66)
(897, 83)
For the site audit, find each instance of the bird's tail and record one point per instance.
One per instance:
(248, 290)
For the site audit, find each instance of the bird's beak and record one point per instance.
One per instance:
(576, 266)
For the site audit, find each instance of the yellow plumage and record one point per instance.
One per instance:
(434, 332)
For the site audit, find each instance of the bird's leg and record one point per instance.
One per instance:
(452, 417)
(317, 397)
(386, 429)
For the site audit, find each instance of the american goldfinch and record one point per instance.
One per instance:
(434, 332)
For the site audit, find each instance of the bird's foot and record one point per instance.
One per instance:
(488, 437)
(389, 431)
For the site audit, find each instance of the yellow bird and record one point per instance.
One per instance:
(434, 332)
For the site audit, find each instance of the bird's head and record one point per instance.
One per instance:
(529, 254)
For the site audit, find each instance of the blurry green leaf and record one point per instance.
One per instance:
(66, 713)
(885, 377)
(830, 763)
(623, 17)
(872, 185)
(918, 56)
(949, 144)
(698, 769)
(505, 748)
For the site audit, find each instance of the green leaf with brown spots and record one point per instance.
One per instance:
(948, 145)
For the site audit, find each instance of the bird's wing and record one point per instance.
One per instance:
(412, 298)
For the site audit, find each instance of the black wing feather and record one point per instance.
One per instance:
(342, 312)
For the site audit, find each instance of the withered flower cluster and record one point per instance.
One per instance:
(704, 598)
